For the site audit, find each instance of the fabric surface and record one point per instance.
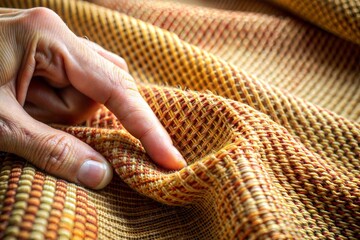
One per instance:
(264, 106)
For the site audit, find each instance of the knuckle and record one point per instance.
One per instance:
(42, 13)
(56, 152)
(38, 16)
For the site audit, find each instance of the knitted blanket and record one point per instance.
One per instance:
(261, 98)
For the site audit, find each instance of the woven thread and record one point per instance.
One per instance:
(264, 107)
(38, 206)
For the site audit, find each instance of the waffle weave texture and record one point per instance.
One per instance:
(264, 106)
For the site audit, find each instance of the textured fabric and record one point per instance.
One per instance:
(265, 107)
(37, 206)
(340, 17)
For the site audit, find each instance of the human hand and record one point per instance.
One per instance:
(47, 74)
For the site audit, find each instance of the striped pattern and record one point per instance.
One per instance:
(37, 206)
(264, 107)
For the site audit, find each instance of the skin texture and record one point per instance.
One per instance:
(49, 75)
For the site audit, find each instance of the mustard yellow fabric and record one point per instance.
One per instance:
(261, 98)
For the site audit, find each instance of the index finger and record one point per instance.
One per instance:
(104, 82)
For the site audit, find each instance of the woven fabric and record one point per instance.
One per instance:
(286, 53)
(264, 107)
(340, 17)
(37, 206)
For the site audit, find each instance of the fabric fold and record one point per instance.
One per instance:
(266, 160)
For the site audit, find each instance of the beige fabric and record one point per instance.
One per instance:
(264, 107)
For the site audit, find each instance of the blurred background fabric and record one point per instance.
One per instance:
(261, 97)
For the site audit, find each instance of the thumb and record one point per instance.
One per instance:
(52, 150)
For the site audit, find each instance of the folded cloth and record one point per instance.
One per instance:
(264, 106)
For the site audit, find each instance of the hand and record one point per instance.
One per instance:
(47, 74)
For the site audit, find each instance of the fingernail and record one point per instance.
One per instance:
(94, 174)
(179, 158)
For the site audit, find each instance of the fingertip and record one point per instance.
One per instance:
(155, 139)
(178, 159)
(95, 174)
(161, 150)
(170, 159)
(107, 176)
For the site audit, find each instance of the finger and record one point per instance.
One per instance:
(110, 85)
(51, 105)
(117, 60)
(54, 151)
(105, 82)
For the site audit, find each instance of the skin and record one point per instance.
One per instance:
(49, 75)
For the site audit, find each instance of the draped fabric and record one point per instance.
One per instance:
(262, 98)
